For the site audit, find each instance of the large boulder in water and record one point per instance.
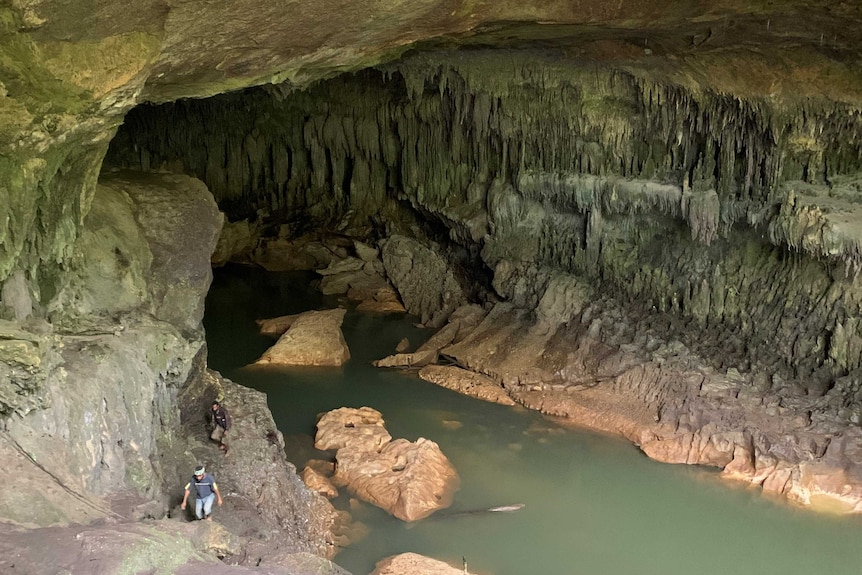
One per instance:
(314, 338)
(362, 429)
(410, 480)
(414, 564)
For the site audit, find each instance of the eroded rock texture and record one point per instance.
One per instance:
(410, 480)
(610, 210)
(622, 186)
(691, 203)
(92, 426)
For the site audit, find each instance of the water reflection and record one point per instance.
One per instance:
(593, 505)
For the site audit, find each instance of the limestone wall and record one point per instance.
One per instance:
(90, 392)
(725, 215)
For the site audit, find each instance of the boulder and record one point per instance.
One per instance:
(410, 480)
(364, 285)
(318, 483)
(403, 345)
(466, 382)
(285, 254)
(276, 326)
(427, 285)
(415, 564)
(336, 267)
(362, 428)
(314, 338)
(365, 252)
(236, 243)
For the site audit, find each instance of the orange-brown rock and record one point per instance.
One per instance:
(318, 483)
(314, 338)
(410, 480)
(414, 564)
(276, 326)
(362, 428)
(466, 382)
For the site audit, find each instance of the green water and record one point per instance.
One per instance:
(593, 505)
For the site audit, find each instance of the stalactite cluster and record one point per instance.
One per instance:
(695, 203)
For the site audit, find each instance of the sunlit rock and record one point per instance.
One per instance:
(466, 382)
(318, 483)
(314, 338)
(360, 428)
(409, 480)
(415, 564)
(276, 326)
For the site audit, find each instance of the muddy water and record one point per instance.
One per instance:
(593, 505)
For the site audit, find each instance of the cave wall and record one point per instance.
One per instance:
(706, 213)
(88, 393)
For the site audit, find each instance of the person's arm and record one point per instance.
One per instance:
(185, 497)
(217, 492)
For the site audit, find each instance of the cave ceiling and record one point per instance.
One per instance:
(201, 47)
(71, 71)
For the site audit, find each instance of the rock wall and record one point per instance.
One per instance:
(93, 374)
(727, 216)
(102, 407)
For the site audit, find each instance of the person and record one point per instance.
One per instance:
(222, 423)
(205, 489)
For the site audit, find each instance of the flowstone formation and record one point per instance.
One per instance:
(692, 203)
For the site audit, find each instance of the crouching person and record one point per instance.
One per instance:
(205, 490)
(221, 425)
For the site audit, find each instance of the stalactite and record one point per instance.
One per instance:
(661, 192)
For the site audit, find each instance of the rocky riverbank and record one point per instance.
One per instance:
(583, 358)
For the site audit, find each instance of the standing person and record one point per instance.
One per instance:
(204, 487)
(222, 423)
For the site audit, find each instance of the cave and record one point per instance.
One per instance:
(648, 211)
